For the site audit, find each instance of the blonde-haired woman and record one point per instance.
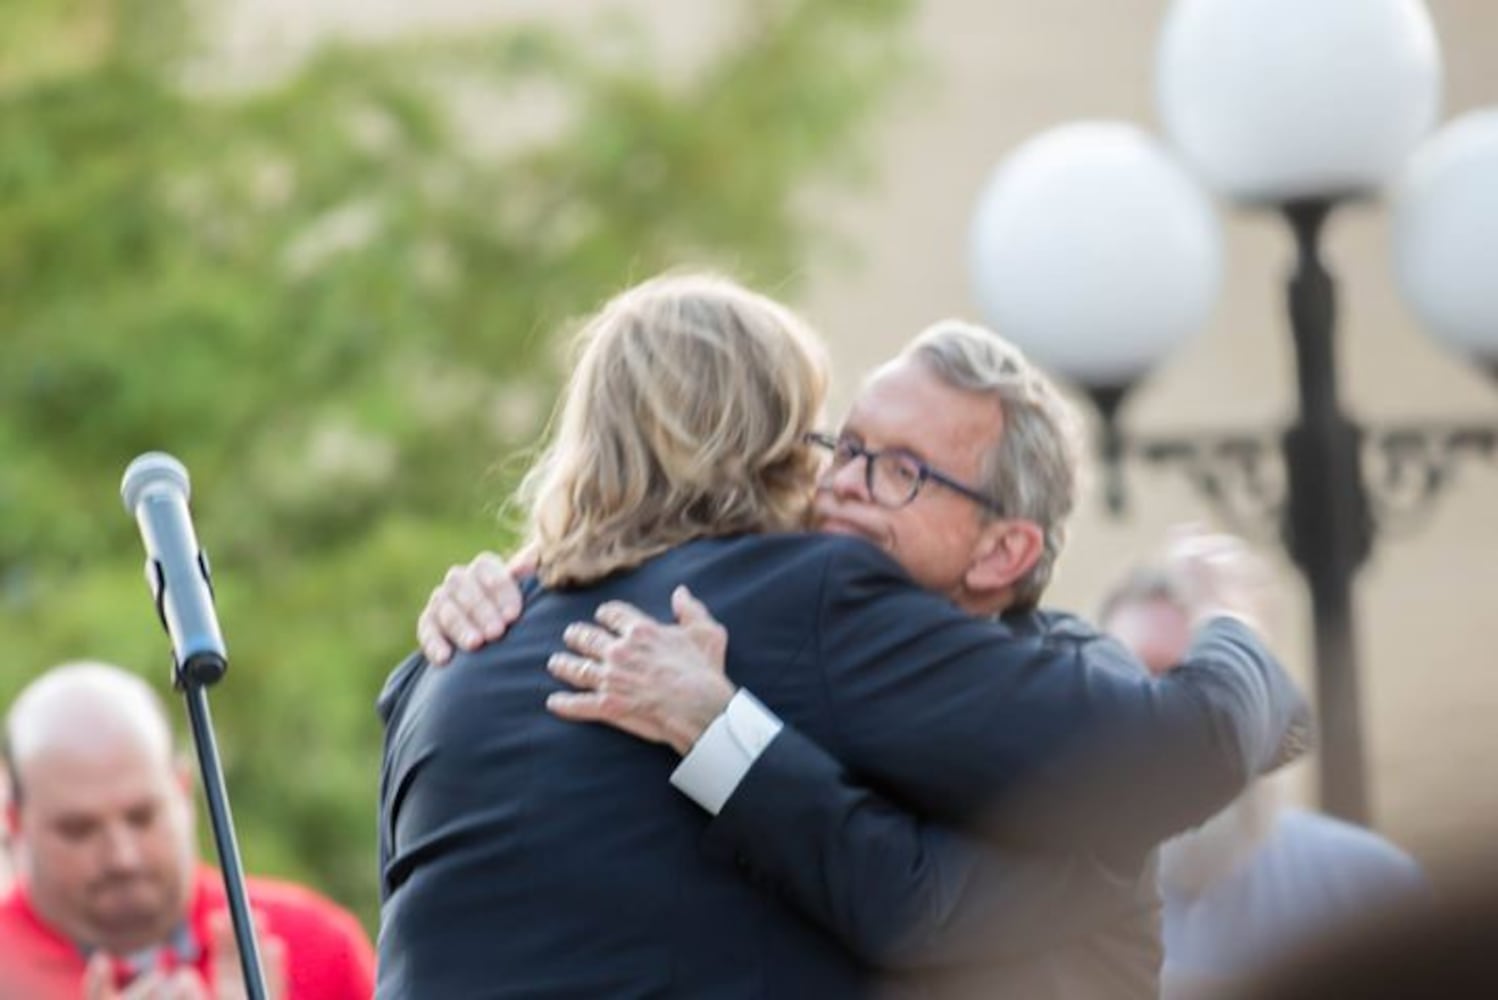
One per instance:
(686, 417)
(523, 855)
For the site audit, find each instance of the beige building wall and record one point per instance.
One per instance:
(1000, 71)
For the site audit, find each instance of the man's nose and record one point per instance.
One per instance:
(121, 847)
(850, 480)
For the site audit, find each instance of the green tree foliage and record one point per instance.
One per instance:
(333, 296)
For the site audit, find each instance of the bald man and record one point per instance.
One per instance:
(110, 901)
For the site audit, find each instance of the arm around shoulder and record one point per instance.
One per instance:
(969, 720)
(902, 893)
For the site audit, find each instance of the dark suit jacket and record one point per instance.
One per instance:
(952, 914)
(523, 856)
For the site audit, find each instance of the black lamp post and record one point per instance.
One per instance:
(1328, 527)
(1332, 501)
(1251, 98)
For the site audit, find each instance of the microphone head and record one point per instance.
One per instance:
(151, 471)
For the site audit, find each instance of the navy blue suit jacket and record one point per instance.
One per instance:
(526, 856)
(953, 912)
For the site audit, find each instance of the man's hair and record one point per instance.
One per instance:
(1033, 468)
(84, 685)
(685, 417)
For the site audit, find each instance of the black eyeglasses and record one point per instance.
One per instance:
(894, 476)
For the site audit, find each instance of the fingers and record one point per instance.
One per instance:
(454, 617)
(525, 562)
(224, 948)
(180, 984)
(579, 671)
(689, 610)
(228, 971)
(660, 682)
(443, 624)
(273, 961)
(151, 986)
(587, 639)
(622, 617)
(1222, 557)
(711, 637)
(591, 703)
(477, 601)
(583, 706)
(98, 978)
(498, 602)
(1195, 542)
(1219, 574)
(605, 707)
(183, 984)
(221, 932)
(474, 604)
(434, 646)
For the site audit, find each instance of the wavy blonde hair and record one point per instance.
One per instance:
(685, 417)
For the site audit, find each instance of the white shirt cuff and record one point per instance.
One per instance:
(725, 751)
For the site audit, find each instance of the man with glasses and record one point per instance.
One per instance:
(957, 459)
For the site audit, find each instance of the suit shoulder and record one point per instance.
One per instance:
(1063, 625)
(1063, 631)
(844, 556)
(811, 555)
(398, 685)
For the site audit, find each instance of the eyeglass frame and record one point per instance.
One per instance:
(924, 471)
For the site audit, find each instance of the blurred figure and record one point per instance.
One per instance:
(1147, 613)
(1260, 880)
(109, 895)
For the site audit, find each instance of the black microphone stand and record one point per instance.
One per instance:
(193, 678)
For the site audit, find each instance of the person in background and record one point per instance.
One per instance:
(1147, 611)
(1261, 880)
(110, 901)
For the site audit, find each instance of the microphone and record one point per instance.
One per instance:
(155, 491)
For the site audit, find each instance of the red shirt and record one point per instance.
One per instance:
(328, 956)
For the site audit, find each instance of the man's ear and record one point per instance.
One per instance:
(1007, 549)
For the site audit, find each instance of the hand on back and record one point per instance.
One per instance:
(474, 604)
